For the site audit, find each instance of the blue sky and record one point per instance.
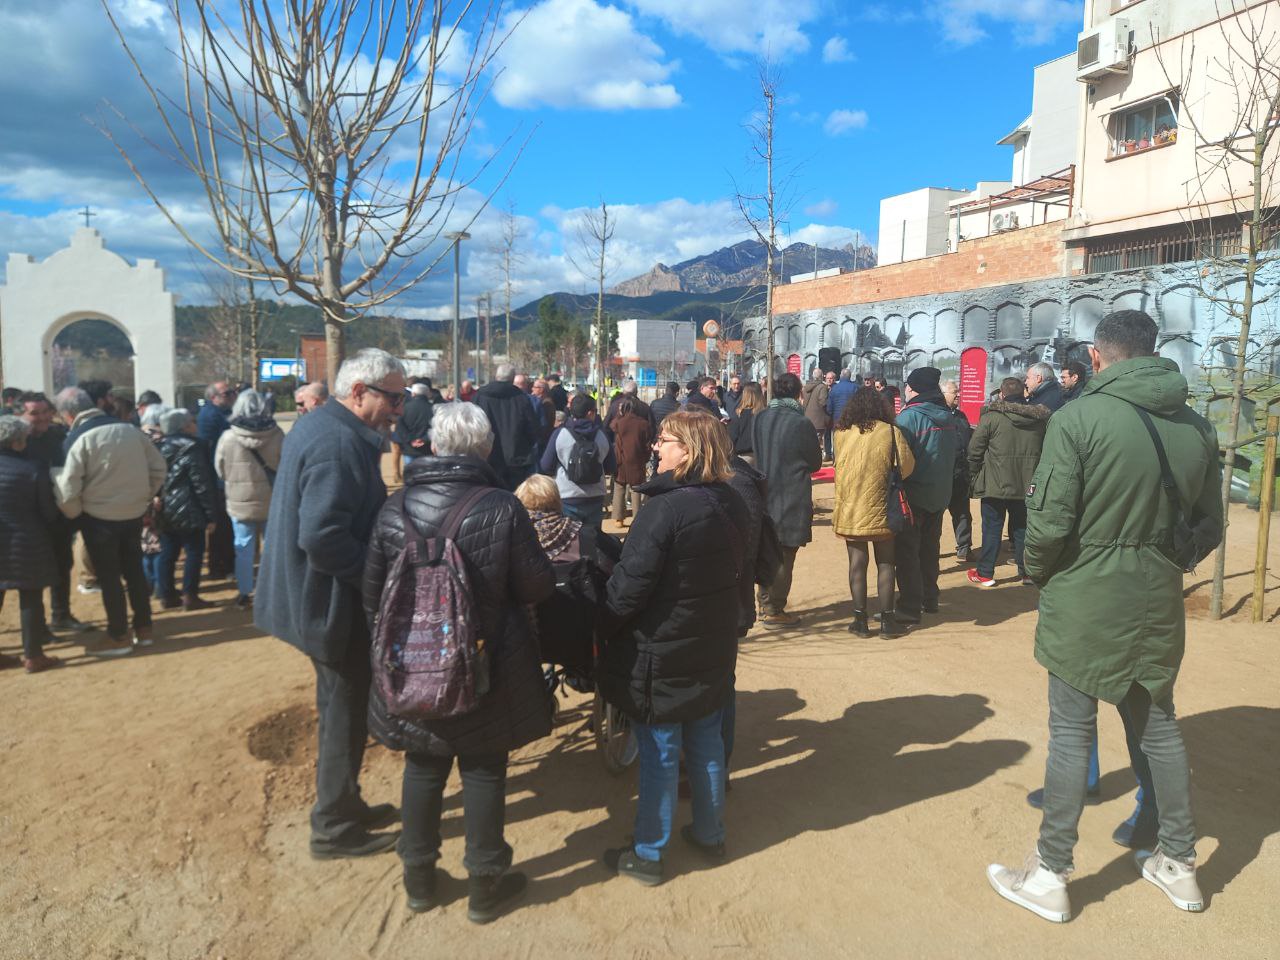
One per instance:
(641, 103)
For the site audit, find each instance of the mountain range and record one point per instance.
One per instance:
(743, 265)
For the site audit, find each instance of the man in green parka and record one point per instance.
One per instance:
(1112, 624)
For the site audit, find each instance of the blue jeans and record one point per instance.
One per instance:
(244, 537)
(151, 568)
(660, 745)
(192, 544)
(993, 513)
(590, 510)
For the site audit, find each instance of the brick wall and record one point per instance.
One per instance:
(1030, 254)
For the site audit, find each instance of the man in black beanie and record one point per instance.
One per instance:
(929, 427)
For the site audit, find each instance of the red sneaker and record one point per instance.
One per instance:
(979, 580)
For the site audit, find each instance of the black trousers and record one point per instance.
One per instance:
(917, 549)
(484, 800)
(115, 547)
(342, 702)
(60, 592)
(773, 599)
(31, 618)
(221, 546)
(961, 512)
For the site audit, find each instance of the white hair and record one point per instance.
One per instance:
(1042, 370)
(315, 387)
(505, 372)
(630, 387)
(369, 366)
(73, 400)
(150, 417)
(174, 421)
(846, 374)
(420, 390)
(12, 430)
(461, 429)
(249, 404)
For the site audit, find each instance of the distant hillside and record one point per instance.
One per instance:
(742, 265)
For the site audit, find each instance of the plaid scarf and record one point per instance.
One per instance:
(787, 402)
(555, 531)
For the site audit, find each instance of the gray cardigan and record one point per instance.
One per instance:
(326, 497)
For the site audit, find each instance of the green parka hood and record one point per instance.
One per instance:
(1153, 383)
(1026, 416)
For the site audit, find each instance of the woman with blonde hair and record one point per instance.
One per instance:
(740, 427)
(670, 631)
(867, 445)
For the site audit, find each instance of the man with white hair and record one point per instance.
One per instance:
(309, 396)
(111, 473)
(1043, 387)
(326, 496)
(516, 427)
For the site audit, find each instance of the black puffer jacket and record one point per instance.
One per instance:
(189, 502)
(670, 624)
(27, 513)
(508, 571)
(749, 484)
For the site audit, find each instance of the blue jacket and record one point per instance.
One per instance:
(931, 431)
(211, 423)
(325, 500)
(841, 393)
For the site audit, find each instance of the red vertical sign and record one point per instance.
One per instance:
(793, 364)
(973, 382)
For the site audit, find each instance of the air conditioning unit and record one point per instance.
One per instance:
(997, 223)
(1001, 222)
(1104, 50)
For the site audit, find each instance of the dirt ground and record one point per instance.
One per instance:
(156, 806)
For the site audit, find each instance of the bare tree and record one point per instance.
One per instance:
(760, 210)
(1231, 106)
(510, 237)
(595, 230)
(326, 137)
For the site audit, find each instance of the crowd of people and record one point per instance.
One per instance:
(511, 482)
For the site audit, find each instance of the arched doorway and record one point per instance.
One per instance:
(89, 348)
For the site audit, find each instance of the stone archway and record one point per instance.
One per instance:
(86, 281)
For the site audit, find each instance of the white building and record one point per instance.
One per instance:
(654, 351)
(914, 225)
(1046, 140)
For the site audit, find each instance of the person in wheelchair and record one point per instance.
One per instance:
(582, 558)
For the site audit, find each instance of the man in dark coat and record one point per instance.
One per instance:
(841, 392)
(787, 453)
(959, 508)
(327, 494)
(704, 398)
(559, 395)
(1112, 625)
(213, 420)
(732, 397)
(666, 404)
(1072, 379)
(516, 428)
(413, 428)
(931, 431)
(1043, 387)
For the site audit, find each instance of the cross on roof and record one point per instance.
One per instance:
(86, 213)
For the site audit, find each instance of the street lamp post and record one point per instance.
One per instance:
(457, 237)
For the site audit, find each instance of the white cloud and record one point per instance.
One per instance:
(840, 122)
(828, 236)
(140, 13)
(836, 50)
(577, 53)
(1030, 21)
(769, 27)
(823, 208)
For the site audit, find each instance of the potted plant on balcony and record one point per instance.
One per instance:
(1130, 145)
(1144, 143)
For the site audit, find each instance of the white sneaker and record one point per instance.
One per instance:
(88, 590)
(1034, 886)
(1176, 879)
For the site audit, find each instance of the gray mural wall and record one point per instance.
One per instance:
(1015, 323)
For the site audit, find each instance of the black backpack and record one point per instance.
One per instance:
(584, 466)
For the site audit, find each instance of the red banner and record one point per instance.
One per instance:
(793, 364)
(973, 382)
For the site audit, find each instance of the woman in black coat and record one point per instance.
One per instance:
(27, 514)
(671, 636)
(741, 426)
(508, 571)
(188, 509)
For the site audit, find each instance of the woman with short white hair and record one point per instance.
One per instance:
(457, 494)
(246, 461)
(27, 564)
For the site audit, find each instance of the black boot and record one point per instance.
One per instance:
(859, 625)
(420, 887)
(490, 896)
(889, 629)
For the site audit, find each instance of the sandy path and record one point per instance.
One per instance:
(157, 806)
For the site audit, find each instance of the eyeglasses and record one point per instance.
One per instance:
(393, 398)
(661, 440)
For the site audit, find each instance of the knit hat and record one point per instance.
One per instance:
(924, 379)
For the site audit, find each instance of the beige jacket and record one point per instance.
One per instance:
(862, 480)
(247, 488)
(112, 472)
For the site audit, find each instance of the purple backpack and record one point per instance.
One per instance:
(428, 658)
